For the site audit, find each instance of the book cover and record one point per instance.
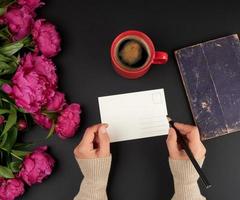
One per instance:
(211, 75)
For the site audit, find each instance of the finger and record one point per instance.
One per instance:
(89, 134)
(104, 141)
(172, 141)
(189, 131)
(184, 128)
(194, 135)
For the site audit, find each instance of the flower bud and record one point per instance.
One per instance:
(6, 88)
(22, 125)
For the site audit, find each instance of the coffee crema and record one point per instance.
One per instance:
(132, 53)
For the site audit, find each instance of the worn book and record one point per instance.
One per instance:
(211, 75)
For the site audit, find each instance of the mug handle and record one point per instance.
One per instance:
(161, 57)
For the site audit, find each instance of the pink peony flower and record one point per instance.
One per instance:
(57, 102)
(31, 4)
(42, 65)
(36, 166)
(42, 120)
(46, 38)
(34, 83)
(20, 22)
(11, 188)
(68, 121)
(6, 88)
(1, 119)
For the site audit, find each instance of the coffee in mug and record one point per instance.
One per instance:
(132, 54)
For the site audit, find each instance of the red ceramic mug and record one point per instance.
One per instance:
(153, 57)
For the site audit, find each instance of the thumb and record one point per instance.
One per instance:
(172, 141)
(104, 141)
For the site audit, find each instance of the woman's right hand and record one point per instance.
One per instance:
(192, 137)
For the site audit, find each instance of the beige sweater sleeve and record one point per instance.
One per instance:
(185, 180)
(94, 183)
(96, 172)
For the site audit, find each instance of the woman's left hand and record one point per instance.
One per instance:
(94, 144)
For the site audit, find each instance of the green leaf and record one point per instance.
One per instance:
(9, 139)
(7, 100)
(4, 3)
(4, 111)
(2, 11)
(20, 153)
(51, 131)
(50, 114)
(7, 68)
(2, 81)
(3, 95)
(4, 58)
(11, 121)
(28, 42)
(15, 166)
(6, 172)
(22, 146)
(5, 34)
(12, 48)
(21, 110)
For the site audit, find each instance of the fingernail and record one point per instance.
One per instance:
(170, 132)
(105, 124)
(102, 130)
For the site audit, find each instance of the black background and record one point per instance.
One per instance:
(140, 168)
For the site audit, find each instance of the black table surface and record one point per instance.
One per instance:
(140, 168)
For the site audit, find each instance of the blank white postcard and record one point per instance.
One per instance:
(134, 115)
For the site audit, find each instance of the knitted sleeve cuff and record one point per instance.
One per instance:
(185, 180)
(95, 172)
(183, 170)
(97, 169)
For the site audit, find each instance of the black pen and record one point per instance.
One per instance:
(190, 154)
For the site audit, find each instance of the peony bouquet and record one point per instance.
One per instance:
(29, 93)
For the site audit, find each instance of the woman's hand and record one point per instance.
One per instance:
(94, 144)
(191, 134)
